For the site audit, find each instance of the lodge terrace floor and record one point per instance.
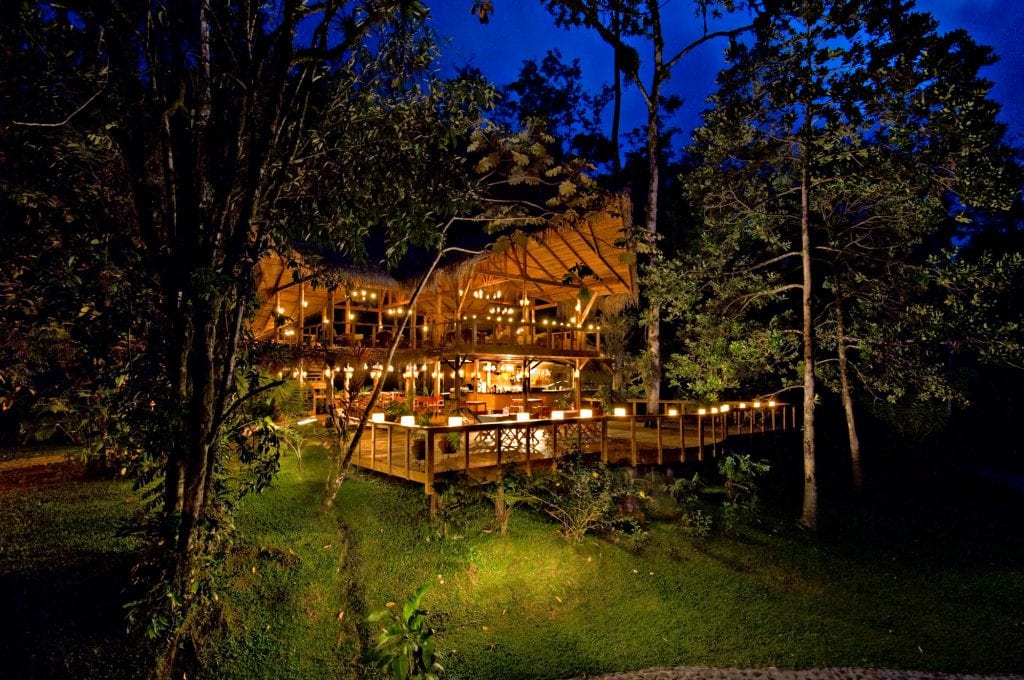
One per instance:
(420, 454)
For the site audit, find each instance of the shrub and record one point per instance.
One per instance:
(586, 497)
(510, 490)
(455, 494)
(405, 647)
(741, 475)
(730, 505)
(692, 507)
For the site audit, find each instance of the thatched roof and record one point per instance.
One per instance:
(550, 266)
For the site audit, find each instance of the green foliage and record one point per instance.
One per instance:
(511, 489)
(734, 503)
(405, 646)
(694, 510)
(581, 497)
(741, 475)
(456, 493)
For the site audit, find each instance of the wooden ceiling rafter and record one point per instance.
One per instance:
(582, 260)
(596, 249)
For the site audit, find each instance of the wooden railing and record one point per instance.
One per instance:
(392, 448)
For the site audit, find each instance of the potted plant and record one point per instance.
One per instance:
(451, 442)
(419, 442)
(395, 410)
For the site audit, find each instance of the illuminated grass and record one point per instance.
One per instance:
(535, 606)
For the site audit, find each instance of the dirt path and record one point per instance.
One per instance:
(36, 470)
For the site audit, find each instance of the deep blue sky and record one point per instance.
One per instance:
(521, 29)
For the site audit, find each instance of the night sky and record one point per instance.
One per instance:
(521, 29)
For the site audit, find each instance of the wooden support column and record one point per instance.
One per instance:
(412, 326)
(329, 318)
(577, 377)
(438, 328)
(301, 322)
(348, 316)
(277, 313)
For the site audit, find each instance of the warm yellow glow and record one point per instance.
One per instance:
(702, 411)
(290, 331)
(757, 404)
(743, 405)
(351, 316)
(558, 415)
(714, 409)
(586, 413)
(377, 417)
(305, 303)
(724, 408)
(619, 411)
(408, 421)
(673, 412)
(454, 421)
(306, 421)
(523, 415)
(280, 310)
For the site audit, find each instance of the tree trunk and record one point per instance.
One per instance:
(616, 93)
(337, 477)
(651, 216)
(856, 473)
(809, 517)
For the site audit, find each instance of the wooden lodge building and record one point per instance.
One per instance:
(519, 318)
(494, 354)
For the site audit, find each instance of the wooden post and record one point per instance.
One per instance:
(682, 435)
(412, 326)
(391, 442)
(661, 453)
(554, 439)
(329, 319)
(604, 439)
(373, 442)
(714, 435)
(348, 315)
(429, 478)
(700, 437)
(277, 313)
(301, 322)
(529, 447)
(428, 457)
(438, 334)
(633, 458)
(380, 317)
(577, 396)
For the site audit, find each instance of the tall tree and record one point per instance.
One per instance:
(838, 142)
(619, 22)
(210, 134)
(552, 91)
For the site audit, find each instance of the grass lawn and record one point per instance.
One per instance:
(534, 606)
(929, 583)
(62, 571)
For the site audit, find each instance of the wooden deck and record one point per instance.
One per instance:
(420, 454)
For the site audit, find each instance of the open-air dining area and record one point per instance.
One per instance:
(498, 362)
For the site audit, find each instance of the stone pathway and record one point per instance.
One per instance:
(704, 673)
